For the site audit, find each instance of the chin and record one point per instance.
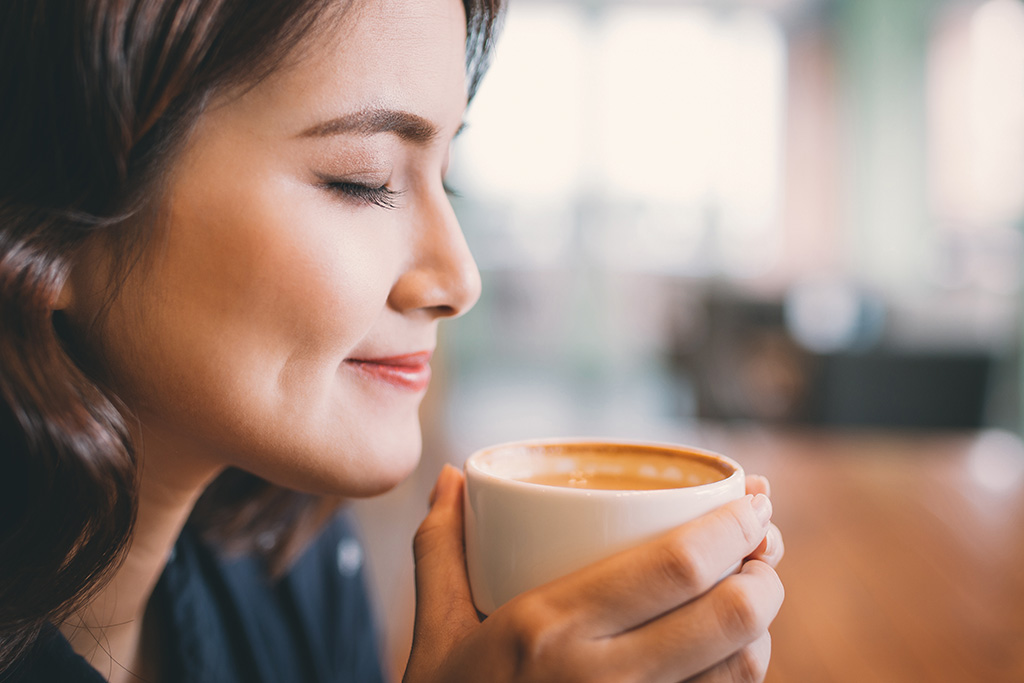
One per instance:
(390, 469)
(348, 463)
(367, 469)
(389, 456)
(385, 472)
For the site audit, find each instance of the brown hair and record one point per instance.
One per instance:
(97, 95)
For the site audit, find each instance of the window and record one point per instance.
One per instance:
(976, 140)
(646, 137)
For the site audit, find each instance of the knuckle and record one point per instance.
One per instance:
(748, 666)
(738, 612)
(682, 566)
(534, 630)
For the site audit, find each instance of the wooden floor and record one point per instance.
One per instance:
(905, 555)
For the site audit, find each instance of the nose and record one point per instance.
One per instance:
(442, 278)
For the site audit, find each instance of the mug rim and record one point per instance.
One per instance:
(473, 470)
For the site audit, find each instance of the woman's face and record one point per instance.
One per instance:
(283, 319)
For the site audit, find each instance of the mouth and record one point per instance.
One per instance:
(410, 371)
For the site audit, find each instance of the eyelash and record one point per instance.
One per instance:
(382, 196)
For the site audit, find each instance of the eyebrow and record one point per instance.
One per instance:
(410, 127)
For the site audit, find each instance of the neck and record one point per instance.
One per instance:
(111, 631)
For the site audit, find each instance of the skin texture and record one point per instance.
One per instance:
(252, 332)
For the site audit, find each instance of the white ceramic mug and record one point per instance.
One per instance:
(520, 534)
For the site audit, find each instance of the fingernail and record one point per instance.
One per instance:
(769, 544)
(772, 542)
(762, 508)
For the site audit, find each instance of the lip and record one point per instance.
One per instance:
(410, 371)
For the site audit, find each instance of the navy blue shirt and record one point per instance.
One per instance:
(228, 622)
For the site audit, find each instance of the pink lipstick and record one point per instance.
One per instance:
(410, 371)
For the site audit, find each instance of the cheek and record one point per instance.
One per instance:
(234, 329)
(281, 269)
(278, 265)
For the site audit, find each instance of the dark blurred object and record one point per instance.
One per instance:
(895, 388)
(750, 367)
(747, 366)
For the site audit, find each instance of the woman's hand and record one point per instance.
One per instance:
(772, 548)
(653, 613)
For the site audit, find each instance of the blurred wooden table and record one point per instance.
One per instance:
(905, 554)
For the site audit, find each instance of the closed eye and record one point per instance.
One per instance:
(381, 196)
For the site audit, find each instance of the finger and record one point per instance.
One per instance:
(444, 606)
(707, 631)
(772, 548)
(749, 664)
(758, 484)
(639, 584)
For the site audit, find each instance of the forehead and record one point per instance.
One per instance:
(407, 54)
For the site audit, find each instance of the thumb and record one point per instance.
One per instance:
(444, 606)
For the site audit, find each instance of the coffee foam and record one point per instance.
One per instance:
(549, 462)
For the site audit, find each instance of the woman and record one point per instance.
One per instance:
(225, 248)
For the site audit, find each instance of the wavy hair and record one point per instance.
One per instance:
(97, 97)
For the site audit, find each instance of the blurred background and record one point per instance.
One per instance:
(765, 209)
(789, 227)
